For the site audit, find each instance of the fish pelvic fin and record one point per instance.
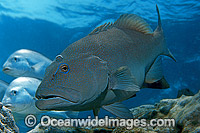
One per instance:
(72, 114)
(133, 22)
(96, 111)
(119, 110)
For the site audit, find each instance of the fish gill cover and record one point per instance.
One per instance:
(49, 26)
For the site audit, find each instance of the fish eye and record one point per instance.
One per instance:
(64, 68)
(15, 59)
(14, 92)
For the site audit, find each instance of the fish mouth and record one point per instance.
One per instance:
(8, 105)
(48, 99)
(53, 97)
(53, 102)
(5, 69)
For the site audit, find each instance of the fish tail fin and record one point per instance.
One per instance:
(159, 27)
(169, 54)
(159, 32)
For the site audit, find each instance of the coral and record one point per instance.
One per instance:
(185, 110)
(7, 123)
(186, 92)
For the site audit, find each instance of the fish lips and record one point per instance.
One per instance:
(8, 106)
(55, 101)
(6, 69)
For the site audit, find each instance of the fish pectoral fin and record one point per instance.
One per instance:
(119, 110)
(72, 114)
(125, 80)
(154, 77)
(37, 67)
(96, 111)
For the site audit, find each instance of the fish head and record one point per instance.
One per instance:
(19, 95)
(16, 65)
(17, 99)
(69, 84)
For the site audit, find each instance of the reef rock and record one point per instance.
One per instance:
(186, 92)
(7, 122)
(185, 110)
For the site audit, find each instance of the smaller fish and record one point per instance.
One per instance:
(19, 97)
(26, 63)
(3, 87)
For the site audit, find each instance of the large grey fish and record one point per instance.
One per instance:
(26, 63)
(106, 67)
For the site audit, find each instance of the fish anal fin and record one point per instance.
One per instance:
(155, 71)
(154, 77)
(125, 81)
(160, 84)
(119, 110)
(133, 22)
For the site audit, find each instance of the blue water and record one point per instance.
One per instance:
(49, 26)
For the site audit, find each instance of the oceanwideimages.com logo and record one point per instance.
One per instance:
(45, 121)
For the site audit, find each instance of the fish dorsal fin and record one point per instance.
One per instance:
(101, 28)
(133, 22)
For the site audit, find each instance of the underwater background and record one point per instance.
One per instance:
(49, 26)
